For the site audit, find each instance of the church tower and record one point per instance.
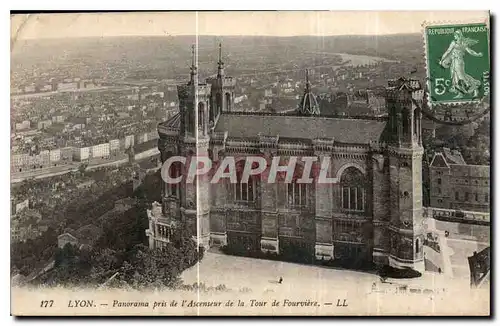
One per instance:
(188, 97)
(404, 140)
(222, 93)
(194, 107)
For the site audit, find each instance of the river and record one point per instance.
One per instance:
(356, 59)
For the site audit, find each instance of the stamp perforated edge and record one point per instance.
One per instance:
(425, 24)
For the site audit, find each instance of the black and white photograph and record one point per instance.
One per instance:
(250, 163)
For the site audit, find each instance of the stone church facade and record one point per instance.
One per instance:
(373, 213)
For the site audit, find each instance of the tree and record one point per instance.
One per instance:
(105, 263)
(71, 266)
(82, 168)
(451, 136)
(477, 150)
(152, 268)
(32, 254)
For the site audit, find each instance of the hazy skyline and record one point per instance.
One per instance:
(234, 23)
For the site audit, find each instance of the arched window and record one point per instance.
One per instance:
(189, 121)
(174, 172)
(297, 192)
(211, 109)
(393, 117)
(218, 103)
(201, 116)
(405, 121)
(353, 194)
(415, 123)
(244, 191)
(228, 102)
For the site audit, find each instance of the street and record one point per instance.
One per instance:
(58, 170)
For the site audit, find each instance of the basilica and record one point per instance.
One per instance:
(373, 213)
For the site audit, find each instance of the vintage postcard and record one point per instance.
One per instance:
(250, 163)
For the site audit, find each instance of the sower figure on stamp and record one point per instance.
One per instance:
(453, 58)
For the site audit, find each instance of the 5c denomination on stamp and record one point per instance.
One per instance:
(458, 63)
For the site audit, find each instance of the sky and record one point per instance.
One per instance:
(270, 23)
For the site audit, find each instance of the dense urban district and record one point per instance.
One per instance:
(85, 162)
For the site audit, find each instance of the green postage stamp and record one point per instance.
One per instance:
(458, 62)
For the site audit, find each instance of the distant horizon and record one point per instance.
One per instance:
(230, 23)
(215, 36)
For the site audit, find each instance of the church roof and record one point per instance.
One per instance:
(439, 161)
(173, 123)
(354, 131)
(480, 268)
(454, 157)
(308, 104)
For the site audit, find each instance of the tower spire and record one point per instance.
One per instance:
(193, 63)
(220, 53)
(308, 84)
(308, 103)
(220, 64)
